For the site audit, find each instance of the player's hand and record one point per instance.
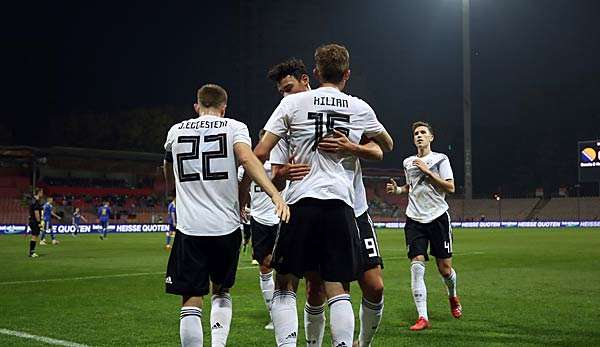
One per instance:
(336, 143)
(294, 172)
(282, 209)
(422, 166)
(392, 187)
(244, 215)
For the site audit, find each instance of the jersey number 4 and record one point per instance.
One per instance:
(329, 120)
(207, 175)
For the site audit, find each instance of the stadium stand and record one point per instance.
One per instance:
(585, 208)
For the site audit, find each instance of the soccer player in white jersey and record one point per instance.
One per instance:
(205, 251)
(428, 178)
(291, 77)
(322, 232)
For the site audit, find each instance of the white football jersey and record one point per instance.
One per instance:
(306, 118)
(262, 208)
(280, 155)
(426, 202)
(205, 170)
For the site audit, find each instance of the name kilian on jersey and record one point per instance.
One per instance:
(329, 101)
(203, 124)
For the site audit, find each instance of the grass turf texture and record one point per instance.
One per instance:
(519, 287)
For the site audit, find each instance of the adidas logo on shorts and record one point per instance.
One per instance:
(168, 280)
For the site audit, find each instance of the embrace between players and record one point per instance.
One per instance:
(321, 231)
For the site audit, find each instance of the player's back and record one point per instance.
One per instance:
(204, 166)
(310, 116)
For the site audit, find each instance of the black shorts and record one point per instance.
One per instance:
(263, 240)
(195, 261)
(321, 235)
(35, 228)
(247, 231)
(437, 234)
(370, 255)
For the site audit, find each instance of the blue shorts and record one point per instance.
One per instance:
(104, 224)
(47, 224)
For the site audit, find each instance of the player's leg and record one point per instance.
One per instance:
(188, 276)
(340, 265)
(289, 261)
(52, 233)
(168, 237)
(441, 248)
(42, 227)
(314, 309)
(284, 311)
(416, 243)
(246, 228)
(370, 281)
(190, 322)
(223, 256)
(35, 232)
(263, 240)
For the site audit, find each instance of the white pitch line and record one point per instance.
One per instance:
(44, 339)
(100, 277)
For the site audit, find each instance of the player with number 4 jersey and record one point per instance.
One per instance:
(428, 178)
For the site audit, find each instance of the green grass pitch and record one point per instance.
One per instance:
(518, 287)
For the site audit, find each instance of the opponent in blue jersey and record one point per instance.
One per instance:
(172, 220)
(77, 217)
(48, 212)
(104, 213)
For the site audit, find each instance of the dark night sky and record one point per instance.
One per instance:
(535, 70)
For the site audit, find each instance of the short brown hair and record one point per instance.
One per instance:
(212, 95)
(332, 61)
(417, 124)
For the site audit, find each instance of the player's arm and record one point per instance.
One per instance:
(445, 185)
(393, 188)
(168, 173)
(384, 140)
(83, 218)
(253, 167)
(55, 215)
(261, 151)
(288, 172)
(339, 143)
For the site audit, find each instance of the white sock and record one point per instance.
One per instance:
(285, 317)
(190, 326)
(419, 291)
(267, 286)
(450, 282)
(314, 324)
(341, 320)
(370, 316)
(220, 318)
